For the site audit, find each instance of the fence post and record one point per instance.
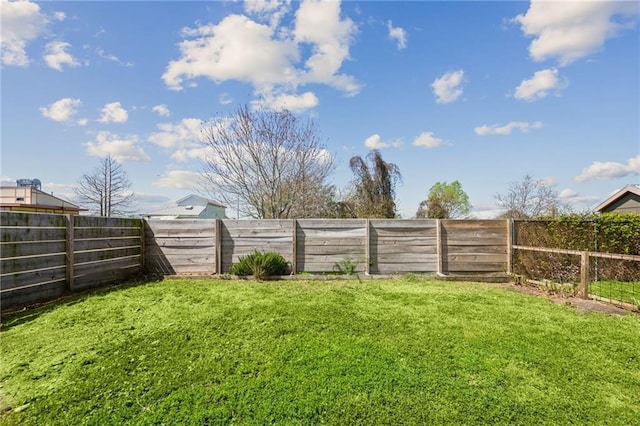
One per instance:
(69, 252)
(583, 291)
(294, 243)
(367, 253)
(439, 246)
(143, 254)
(218, 229)
(510, 241)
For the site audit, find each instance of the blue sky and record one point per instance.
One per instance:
(480, 92)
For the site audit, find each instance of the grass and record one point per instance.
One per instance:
(307, 352)
(628, 292)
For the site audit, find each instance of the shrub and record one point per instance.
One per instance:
(260, 265)
(345, 266)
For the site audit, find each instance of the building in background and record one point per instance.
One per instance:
(627, 200)
(191, 207)
(27, 196)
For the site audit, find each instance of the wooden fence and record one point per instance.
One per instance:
(378, 246)
(47, 255)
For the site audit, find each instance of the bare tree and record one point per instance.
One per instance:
(269, 164)
(528, 199)
(106, 188)
(374, 187)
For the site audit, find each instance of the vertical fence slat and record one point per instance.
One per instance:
(510, 242)
(70, 251)
(439, 253)
(367, 249)
(218, 226)
(583, 291)
(294, 243)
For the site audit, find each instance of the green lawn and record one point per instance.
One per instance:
(405, 352)
(628, 292)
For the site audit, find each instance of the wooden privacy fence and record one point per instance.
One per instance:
(47, 255)
(471, 248)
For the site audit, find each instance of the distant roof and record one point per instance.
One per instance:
(633, 189)
(201, 199)
(181, 211)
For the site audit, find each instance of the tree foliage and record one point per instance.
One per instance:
(106, 189)
(374, 186)
(528, 199)
(445, 201)
(270, 164)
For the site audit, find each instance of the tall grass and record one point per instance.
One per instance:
(336, 352)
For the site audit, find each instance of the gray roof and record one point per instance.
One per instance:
(633, 189)
(182, 211)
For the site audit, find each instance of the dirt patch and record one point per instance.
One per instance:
(581, 305)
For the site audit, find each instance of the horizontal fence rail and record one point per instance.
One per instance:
(47, 255)
(585, 257)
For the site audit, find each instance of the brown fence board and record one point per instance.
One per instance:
(10, 235)
(30, 248)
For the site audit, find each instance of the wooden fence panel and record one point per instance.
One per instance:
(32, 252)
(321, 243)
(403, 246)
(243, 237)
(474, 246)
(46, 255)
(186, 246)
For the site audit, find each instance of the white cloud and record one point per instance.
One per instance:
(162, 110)
(375, 142)
(427, 140)
(111, 57)
(506, 129)
(568, 193)
(570, 30)
(540, 85)
(56, 55)
(59, 16)
(83, 121)
(548, 181)
(292, 103)
(398, 34)
(21, 22)
(609, 170)
(225, 99)
(62, 110)
(186, 133)
(270, 11)
(448, 87)
(235, 49)
(180, 179)
(113, 113)
(121, 148)
(269, 56)
(319, 24)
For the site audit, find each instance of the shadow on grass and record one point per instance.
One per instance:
(26, 313)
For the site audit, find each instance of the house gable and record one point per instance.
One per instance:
(627, 200)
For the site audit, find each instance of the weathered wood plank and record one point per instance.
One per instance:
(175, 251)
(9, 235)
(476, 257)
(406, 258)
(403, 224)
(401, 249)
(312, 251)
(24, 278)
(101, 233)
(28, 263)
(30, 248)
(36, 293)
(476, 267)
(31, 220)
(83, 245)
(394, 268)
(94, 256)
(105, 222)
